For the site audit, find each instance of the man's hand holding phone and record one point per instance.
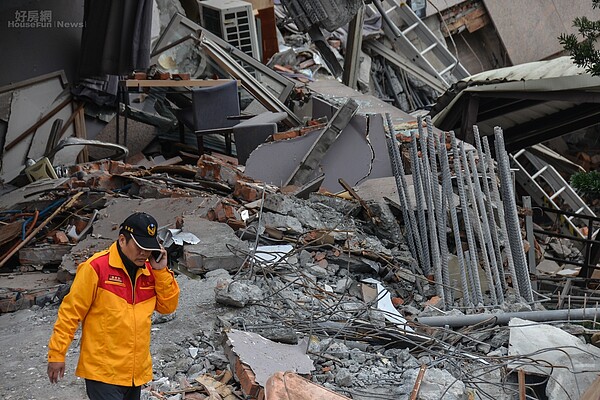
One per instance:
(158, 258)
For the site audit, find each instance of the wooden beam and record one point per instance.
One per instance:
(41, 226)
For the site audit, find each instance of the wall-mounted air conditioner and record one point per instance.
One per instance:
(233, 21)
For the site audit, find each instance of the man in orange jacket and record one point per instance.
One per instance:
(113, 296)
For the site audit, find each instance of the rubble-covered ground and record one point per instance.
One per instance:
(324, 276)
(416, 282)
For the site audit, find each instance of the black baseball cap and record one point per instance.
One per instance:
(143, 229)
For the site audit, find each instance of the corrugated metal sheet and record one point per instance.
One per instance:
(559, 67)
(515, 96)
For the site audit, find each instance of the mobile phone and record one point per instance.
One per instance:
(157, 255)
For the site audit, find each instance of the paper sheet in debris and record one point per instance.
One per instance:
(266, 357)
(385, 304)
(272, 254)
(177, 236)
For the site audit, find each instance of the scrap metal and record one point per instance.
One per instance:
(311, 160)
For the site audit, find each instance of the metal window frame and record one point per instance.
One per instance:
(164, 42)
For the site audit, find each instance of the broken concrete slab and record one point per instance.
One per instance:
(300, 216)
(437, 384)
(266, 357)
(236, 293)
(378, 188)
(308, 169)
(38, 256)
(79, 253)
(545, 350)
(219, 247)
(165, 211)
(362, 141)
(105, 228)
(548, 267)
(25, 194)
(334, 92)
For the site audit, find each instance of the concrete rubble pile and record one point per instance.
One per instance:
(331, 276)
(349, 250)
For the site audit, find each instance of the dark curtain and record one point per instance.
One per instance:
(116, 37)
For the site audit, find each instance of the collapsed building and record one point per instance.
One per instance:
(350, 249)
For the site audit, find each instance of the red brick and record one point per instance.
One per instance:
(435, 301)
(245, 192)
(247, 380)
(59, 237)
(182, 76)
(140, 75)
(397, 301)
(285, 135)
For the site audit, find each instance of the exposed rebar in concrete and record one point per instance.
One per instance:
(474, 263)
(512, 218)
(440, 212)
(476, 222)
(493, 228)
(428, 186)
(418, 187)
(485, 232)
(492, 251)
(469, 297)
(402, 188)
(501, 216)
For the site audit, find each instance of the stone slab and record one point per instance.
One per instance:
(213, 252)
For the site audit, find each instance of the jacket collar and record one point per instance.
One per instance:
(115, 261)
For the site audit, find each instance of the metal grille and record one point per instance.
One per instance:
(233, 22)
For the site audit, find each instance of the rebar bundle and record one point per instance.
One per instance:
(483, 198)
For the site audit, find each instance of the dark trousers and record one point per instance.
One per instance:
(104, 391)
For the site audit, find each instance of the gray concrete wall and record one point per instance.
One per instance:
(31, 51)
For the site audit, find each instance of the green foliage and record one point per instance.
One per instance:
(583, 52)
(588, 183)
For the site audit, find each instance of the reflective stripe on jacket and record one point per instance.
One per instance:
(116, 320)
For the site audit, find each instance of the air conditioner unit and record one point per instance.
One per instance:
(233, 21)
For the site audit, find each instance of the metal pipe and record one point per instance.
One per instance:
(455, 321)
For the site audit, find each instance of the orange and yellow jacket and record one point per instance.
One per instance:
(115, 317)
